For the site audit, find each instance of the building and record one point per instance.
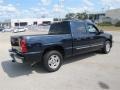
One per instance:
(11, 23)
(5, 24)
(30, 21)
(114, 14)
(96, 16)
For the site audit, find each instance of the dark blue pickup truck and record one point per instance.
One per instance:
(64, 39)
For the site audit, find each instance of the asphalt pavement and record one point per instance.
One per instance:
(92, 71)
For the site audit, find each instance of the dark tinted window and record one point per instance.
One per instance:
(78, 27)
(23, 24)
(16, 24)
(59, 28)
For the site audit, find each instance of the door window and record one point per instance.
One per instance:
(78, 27)
(91, 28)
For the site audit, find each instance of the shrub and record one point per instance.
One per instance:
(105, 24)
(117, 24)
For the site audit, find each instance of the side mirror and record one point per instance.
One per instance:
(101, 31)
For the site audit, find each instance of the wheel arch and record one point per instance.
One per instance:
(54, 47)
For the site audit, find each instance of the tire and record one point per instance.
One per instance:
(52, 60)
(107, 47)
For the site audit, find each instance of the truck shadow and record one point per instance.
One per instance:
(16, 70)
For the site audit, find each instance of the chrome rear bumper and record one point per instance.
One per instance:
(15, 57)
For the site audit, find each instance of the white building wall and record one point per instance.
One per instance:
(114, 14)
(30, 21)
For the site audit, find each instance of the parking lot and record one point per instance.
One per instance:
(92, 71)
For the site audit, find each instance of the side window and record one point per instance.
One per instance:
(78, 27)
(91, 28)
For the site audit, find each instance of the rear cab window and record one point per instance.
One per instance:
(59, 28)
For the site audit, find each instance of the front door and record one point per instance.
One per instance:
(96, 40)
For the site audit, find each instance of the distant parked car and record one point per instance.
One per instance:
(26, 28)
(15, 30)
(7, 30)
(1, 29)
(19, 30)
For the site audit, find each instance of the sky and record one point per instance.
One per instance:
(52, 8)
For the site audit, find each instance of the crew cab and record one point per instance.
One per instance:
(64, 39)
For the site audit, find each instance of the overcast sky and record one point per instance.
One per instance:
(52, 8)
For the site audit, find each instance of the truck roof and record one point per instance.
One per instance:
(85, 21)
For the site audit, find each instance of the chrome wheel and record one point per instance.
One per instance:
(108, 47)
(54, 61)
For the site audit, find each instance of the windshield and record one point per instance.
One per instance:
(59, 28)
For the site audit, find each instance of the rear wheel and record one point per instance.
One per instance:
(52, 60)
(107, 47)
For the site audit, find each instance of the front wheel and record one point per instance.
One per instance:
(52, 60)
(107, 47)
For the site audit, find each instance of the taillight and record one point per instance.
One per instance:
(23, 46)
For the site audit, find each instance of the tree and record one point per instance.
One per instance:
(70, 16)
(92, 16)
(81, 16)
